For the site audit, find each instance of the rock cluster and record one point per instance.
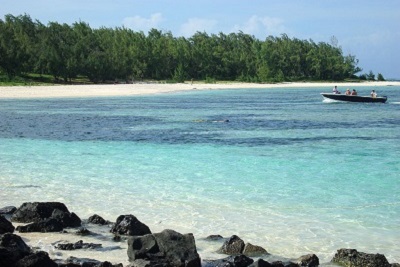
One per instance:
(15, 252)
(236, 246)
(165, 249)
(84, 262)
(240, 253)
(44, 217)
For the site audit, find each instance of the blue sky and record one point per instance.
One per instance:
(368, 29)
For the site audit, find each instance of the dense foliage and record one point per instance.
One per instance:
(104, 54)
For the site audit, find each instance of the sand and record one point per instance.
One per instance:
(56, 91)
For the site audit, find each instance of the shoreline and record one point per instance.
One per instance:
(136, 89)
(107, 241)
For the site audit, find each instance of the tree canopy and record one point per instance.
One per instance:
(104, 54)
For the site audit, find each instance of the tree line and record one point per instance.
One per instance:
(107, 54)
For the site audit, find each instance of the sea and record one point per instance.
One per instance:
(281, 168)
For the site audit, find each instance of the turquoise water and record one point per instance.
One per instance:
(288, 171)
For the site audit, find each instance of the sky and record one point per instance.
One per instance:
(367, 29)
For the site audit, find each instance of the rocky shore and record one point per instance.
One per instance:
(164, 249)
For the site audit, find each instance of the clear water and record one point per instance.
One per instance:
(288, 172)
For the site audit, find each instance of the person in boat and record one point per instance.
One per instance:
(373, 94)
(335, 90)
(348, 91)
(354, 92)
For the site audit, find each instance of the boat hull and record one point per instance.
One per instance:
(355, 98)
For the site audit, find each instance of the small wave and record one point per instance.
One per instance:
(395, 103)
(326, 100)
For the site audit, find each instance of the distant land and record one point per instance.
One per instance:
(64, 53)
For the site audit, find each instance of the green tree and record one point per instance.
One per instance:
(99, 65)
(182, 59)
(203, 58)
(16, 44)
(9, 48)
(179, 74)
(161, 64)
(370, 76)
(58, 52)
(106, 54)
(139, 52)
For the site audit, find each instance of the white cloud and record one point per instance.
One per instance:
(138, 23)
(194, 25)
(262, 26)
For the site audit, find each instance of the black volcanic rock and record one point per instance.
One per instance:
(253, 251)
(260, 263)
(234, 261)
(233, 246)
(12, 249)
(96, 219)
(241, 261)
(48, 225)
(45, 217)
(178, 248)
(39, 259)
(280, 264)
(353, 258)
(5, 225)
(168, 248)
(141, 247)
(36, 211)
(66, 218)
(78, 245)
(84, 262)
(309, 260)
(7, 210)
(14, 252)
(129, 225)
(83, 232)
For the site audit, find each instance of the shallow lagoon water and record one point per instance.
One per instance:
(288, 172)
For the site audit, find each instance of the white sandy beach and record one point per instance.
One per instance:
(102, 90)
